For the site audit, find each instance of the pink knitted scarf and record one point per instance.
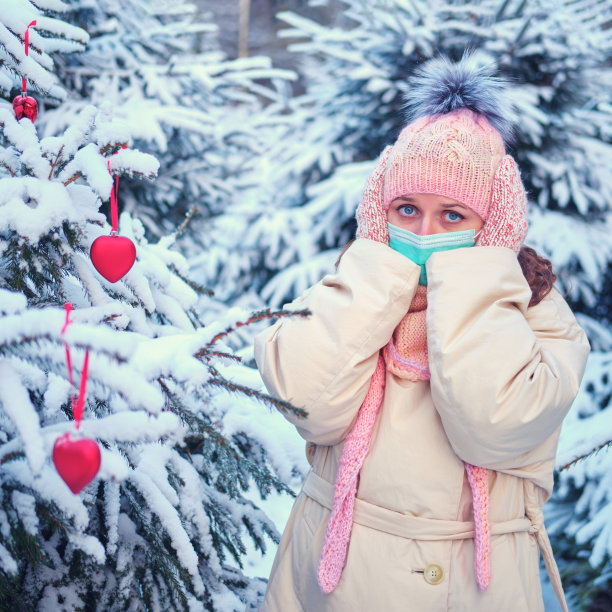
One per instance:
(405, 355)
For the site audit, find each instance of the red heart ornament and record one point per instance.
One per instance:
(25, 106)
(113, 256)
(77, 460)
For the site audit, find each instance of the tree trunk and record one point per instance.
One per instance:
(243, 33)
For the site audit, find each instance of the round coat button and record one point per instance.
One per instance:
(433, 574)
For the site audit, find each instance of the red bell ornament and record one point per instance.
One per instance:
(113, 256)
(25, 106)
(77, 460)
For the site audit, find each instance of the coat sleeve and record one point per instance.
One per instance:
(503, 375)
(323, 363)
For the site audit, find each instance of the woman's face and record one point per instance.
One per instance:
(430, 213)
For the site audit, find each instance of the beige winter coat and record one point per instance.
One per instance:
(503, 376)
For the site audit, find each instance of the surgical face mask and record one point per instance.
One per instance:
(419, 248)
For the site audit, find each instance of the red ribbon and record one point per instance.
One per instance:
(113, 202)
(113, 197)
(77, 405)
(27, 52)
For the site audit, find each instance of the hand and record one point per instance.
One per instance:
(506, 225)
(371, 217)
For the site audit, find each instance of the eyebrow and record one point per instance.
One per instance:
(410, 200)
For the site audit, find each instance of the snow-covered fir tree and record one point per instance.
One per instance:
(199, 113)
(285, 234)
(163, 526)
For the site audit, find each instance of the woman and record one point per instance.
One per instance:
(436, 369)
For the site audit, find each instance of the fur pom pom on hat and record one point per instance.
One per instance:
(440, 87)
(460, 122)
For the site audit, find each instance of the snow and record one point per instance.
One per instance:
(171, 521)
(36, 66)
(16, 404)
(172, 309)
(153, 461)
(48, 485)
(580, 441)
(64, 32)
(22, 133)
(33, 208)
(90, 545)
(111, 133)
(92, 165)
(8, 563)
(6, 83)
(112, 503)
(60, 599)
(270, 428)
(134, 426)
(193, 510)
(56, 394)
(175, 296)
(25, 505)
(173, 355)
(90, 281)
(5, 527)
(11, 302)
(30, 374)
(130, 161)
(114, 466)
(53, 5)
(138, 392)
(139, 284)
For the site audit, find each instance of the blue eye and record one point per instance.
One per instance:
(406, 210)
(453, 216)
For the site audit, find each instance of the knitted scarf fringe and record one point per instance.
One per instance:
(356, 446)
(478, 477)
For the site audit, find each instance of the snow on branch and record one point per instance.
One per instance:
(50, 35)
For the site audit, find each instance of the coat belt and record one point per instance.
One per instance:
(421, 528)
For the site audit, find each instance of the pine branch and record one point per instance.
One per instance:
(165, 559)
(19, 342)
(203, 432)
(501, 10)
(197, 288)
(112, 318)
(254, 318)
(78, 175)
(10, 455)
(73, 178)
(274, 402)
(521, 34)
(520, 9)
(225, 356)
(113, 148)
(117, 146)
(8, 168)
(190, 214)
(54, 162)
(51, 513)
(587, 455)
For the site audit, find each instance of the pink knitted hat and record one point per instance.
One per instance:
(449, 149)
(455, 155)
